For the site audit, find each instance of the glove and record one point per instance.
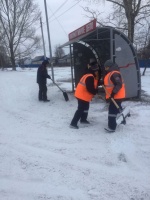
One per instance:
(49, 76)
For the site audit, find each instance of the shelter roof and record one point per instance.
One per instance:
(98, 33)
(76, 40)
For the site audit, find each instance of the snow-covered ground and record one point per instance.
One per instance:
(41, 158)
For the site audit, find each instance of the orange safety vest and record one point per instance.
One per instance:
(109, 86)
(81, 90)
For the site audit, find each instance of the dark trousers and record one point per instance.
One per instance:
(112, 114)
(81, 112)
(42, 92)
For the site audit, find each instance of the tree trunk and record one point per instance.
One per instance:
(131, 28)
(12, 57)
(130, 18)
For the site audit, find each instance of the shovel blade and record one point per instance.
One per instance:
(66, 96)
(121, 117)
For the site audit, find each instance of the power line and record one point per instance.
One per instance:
(56, 18)
(58, 9)
(54, 12)
(61, 14)
(67, 10)
(58, 22)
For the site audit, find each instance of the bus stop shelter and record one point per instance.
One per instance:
(103, 43)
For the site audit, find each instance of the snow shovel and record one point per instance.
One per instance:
(123, 113)
(64, 93)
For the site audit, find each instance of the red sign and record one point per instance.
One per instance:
(83, 30)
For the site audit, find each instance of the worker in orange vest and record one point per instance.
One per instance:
(114, 84)
(85, 91)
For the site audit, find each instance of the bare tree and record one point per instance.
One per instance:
(94, 15)
(133, 12)
(58, 52)
(128, 14)
(18, 19)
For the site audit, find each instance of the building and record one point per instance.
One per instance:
(64, 61)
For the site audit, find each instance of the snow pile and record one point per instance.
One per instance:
(41, 158)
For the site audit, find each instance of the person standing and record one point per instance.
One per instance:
(42, 75)
(115, 87)
(86, 89)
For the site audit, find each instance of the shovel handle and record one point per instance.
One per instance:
(113, 100)
(56, 84)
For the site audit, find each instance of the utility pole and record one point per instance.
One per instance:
(49, 40)
(43, 38)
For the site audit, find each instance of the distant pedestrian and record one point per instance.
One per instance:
(86, 89)
(42, 75)
(115, 86)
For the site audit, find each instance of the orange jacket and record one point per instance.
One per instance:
(81, 90)
(109, 86)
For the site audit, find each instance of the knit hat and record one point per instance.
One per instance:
(93, 65)
(45, 62)
(108, 63)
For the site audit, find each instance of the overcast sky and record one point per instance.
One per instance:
(69, 17)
